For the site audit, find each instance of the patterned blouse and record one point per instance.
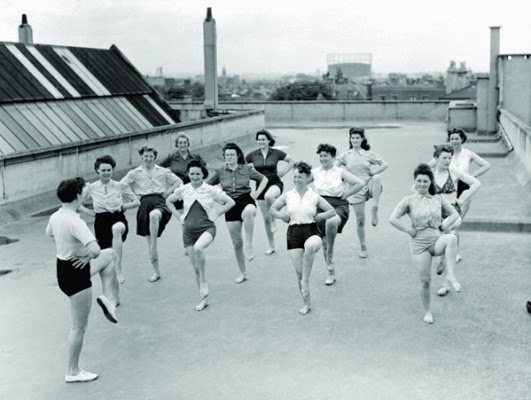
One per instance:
(425, 211)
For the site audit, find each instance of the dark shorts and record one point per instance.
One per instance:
(72, 280)
(298, 234)
(342, 210)
(149, 203)
(461, 187)
(280, 185)
(103, 227)
(235, 213)
(191, 236)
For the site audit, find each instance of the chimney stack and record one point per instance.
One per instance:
(211, 67)
(492, 99)
(25, 33)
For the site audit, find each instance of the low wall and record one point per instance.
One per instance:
(28, 180)
(519, 134)
(293, 111)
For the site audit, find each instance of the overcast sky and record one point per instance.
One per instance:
(279, 35)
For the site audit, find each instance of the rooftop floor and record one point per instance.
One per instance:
(363, 339)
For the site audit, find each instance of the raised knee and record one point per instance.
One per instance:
(270, 199)
(117, 231)
(199, 252)
(154, 215)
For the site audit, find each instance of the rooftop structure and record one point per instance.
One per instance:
(350, 66)
(56, 95)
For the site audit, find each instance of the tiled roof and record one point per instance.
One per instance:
(52, 95)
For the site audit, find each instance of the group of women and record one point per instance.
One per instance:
(316, 209)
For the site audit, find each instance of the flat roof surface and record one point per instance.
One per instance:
(363, 339)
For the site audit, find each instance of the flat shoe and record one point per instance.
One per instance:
(154, 278)
(363, 254)
(268, 252)
(82, 376)
(107, 308)
(330, 280)
(443, 291)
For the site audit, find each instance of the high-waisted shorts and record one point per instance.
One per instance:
(342, 211)
(72, 280)
(103, 227)
(148, 203)
(298, 234)
(235, 213)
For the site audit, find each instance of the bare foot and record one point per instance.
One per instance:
(330, 280)
(242, 278)
(203, 290)
(428, 318)
(374, 216)
(154, 278)
(456, 285)
(305, 310)
(201, 306)
(363, 253)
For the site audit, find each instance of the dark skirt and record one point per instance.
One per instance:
(103, 227)
(342, 210)
(148, 203)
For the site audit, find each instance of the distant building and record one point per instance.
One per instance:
(353, 67)
(457, 77)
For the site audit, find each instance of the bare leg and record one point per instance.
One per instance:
(331, 227)
(447, 245)
(235, 230)
(296, 256)
(104, 265)
(80, 304)
(423, 262)
(248, 216)
(196, 253)
(117, 244)
(269, 222)
(359, 210)
(311, 247)
(376, 191)
(154, 220)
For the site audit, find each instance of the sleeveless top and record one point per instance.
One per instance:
(448, 186)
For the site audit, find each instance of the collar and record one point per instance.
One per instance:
(226, 167)
(427, 195)
(68, 211)
(177, 155)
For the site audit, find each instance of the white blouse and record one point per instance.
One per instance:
(328, 182)
(301, 210)
(462, 161)
(205, 194)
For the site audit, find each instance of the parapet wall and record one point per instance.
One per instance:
(28, 180)
(296, 111)
(519, 134)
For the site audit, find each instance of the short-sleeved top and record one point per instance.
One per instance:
(178, 164)
(301, 210)
(204, 194)
(109, 197)
(70, 232)
(267, 166)
(359, 162)
(235, 183)
(462, 161)
(328, 182)
(143, 182)
(425, 211)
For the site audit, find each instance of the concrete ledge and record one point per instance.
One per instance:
(486, 225)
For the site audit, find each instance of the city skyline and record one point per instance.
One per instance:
(278, 37)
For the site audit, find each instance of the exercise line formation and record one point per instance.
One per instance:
(315, 210)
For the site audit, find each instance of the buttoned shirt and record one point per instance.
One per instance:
(143, 182)
(205, 194)
(425, 211)
(359, 162)
(70, 232)
(268, 165)
(235, 183)
(328, 182)
(178, 165)
(301, 210)
(108, 197)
